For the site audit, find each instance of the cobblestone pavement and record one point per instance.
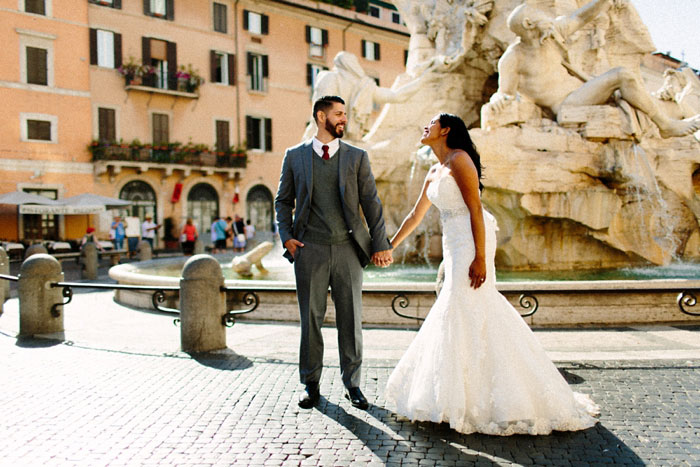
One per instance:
(115, 390)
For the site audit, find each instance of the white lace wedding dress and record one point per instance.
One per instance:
(475, 363)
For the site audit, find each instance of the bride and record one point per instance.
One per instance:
(475, 363)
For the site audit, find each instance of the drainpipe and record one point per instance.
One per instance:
(238, 68)
(344, 29)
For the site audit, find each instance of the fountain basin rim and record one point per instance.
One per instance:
(126, 274)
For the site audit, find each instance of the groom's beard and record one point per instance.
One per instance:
(334, 130)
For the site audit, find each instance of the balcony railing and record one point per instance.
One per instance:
(172, 153)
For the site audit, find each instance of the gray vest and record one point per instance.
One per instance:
(326, 225)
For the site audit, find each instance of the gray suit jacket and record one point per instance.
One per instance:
(357, 189)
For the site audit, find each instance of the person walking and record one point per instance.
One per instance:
(323, 183)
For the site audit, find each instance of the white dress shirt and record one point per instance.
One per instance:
(333, 147)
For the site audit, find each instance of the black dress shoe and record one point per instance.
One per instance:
(310, 396)
(356, 398)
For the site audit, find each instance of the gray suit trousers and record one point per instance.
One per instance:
(316, 268)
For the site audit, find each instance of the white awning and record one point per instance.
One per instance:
(60, 209)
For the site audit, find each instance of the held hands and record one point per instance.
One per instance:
(291, 245)
(382, 259)
(477, 272)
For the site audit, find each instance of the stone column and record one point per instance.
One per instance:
(91, 261)
(36, 297)
(145, 251)
(4, 269)
(198, 246)
(202, 305)
(34, 249)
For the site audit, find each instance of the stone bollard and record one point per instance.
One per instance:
(145, 251)
(202, 305)
(91, 261)
(4, 269)
(198, 246)
(36, 297)
(34, 249)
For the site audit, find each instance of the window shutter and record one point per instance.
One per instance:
(308, 34)
(364, 55)
(146, 50)
(170, 9)
(172, 65)
(117, 50)
(147, 7)
(264, 64)
(249, 62)
(37, 72)
(245, 20)
(309, 74)
(249, 132)
(324, 33)
(265, 24)
(376, 50)
(93, 46)
(231, 69)
(405, 56)
(268, 134)
(212, 67)
(117, 4)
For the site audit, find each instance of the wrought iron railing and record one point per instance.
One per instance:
(172, 153)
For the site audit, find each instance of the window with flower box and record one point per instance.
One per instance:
(164, 9)
(162, 58)
(109, 3)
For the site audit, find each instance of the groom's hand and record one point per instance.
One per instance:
(291, 245)
(383, 258)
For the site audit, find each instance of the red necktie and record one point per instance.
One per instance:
(325, 156)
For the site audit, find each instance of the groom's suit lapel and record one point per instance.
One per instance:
(342, 169)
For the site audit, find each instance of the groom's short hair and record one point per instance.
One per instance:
(324, 103)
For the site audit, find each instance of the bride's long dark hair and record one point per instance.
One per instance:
(458, 138)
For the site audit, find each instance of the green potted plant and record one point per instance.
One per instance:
(130, 70)
(188, 79)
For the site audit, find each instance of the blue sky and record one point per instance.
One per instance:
(674, 26)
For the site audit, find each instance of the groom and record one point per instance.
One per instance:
(323, 184)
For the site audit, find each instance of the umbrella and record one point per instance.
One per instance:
(19, 198)
(90, 199)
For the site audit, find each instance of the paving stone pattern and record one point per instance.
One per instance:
(66, 404)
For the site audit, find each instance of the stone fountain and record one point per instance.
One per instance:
(582, 169)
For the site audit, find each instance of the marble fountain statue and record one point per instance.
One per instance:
(584, 168)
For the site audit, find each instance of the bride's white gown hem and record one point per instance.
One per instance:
(475, 363)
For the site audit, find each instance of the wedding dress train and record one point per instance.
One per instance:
(475, 363)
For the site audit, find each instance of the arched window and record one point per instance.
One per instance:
(202, 207)
(260, 211)
(143, 200)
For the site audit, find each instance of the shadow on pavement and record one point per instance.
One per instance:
(594, 446)
(38, 342)
(226, 360)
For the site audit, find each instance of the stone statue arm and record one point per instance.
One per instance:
(385, 95)
(508, 76)
(585, 14)
(414, 218)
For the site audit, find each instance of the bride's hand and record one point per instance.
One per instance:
(477, 272)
